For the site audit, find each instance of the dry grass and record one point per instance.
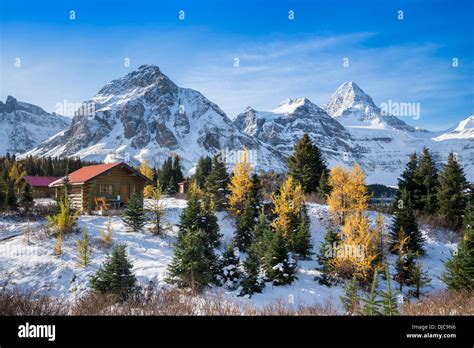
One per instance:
(181, 303)
(442, 303)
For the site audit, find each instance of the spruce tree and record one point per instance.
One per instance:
(115, 276)
(371, 302)
(26, 198)
(176, 170)
(166, 173)
(279, 267)
(404, 218)
(427, 175)
(409, 182)
(203, 169)
(10, 200)
(419, 278)
(217, 182)
(351, 301)
(253, 279)
(199, 215)
(389, 302)
(306, 164)
(459, 273)
(300, 241)
(194, 263)
(452, 195)
(327, 250)
(133, 215)
(324, 189)
(245, 222)
(231, 274)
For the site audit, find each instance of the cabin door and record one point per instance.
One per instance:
(124, 192)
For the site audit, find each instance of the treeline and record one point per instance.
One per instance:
(13, 169)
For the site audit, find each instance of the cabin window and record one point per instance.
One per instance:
(106, 190)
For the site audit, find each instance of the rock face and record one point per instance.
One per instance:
(24, 126)
(283, 126)
(145, 115)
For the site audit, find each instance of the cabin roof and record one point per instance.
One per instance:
(40, 181)
(85, 174)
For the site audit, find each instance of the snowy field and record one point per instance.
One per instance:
(33, 266)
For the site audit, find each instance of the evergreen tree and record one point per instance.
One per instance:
(427, 175)
(172, 186)
(409, 182)
(176, 169)
(279, 268)
(115, 276)
(326, 253)
(231, 274)
(245, 222)
(306, 164)
(166, 173)
(199, 215)
(389, 302)
(351, 301)
(133, 215)
(452, 195)
(194, 263)
(26, 198)
(404, 218)
(10, 200)
(404, 260)
(371, 303)
(459, 273)
(419, 278)
(203, 169)
(300, 241)
(217, 182)
(324, 189)
(84, 249)
(253, 279)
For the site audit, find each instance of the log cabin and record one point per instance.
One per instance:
(39, 185)
(103, 186)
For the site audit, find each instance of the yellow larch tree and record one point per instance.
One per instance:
(288, 202)
(146, 170)
(349, 194)
(357, 253)
(240, 184)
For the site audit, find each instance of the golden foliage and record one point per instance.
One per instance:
(349, 194)
(357, 250)
(287, 202)
(146, 170)
(65, 220)
(240, 184)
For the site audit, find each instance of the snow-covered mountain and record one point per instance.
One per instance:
(145, 115)
(387, 141)
(351, 106)
(283, 126)
(24, 126)
(464, 130)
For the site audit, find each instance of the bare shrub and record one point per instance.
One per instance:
(441, 303)
(15, 302)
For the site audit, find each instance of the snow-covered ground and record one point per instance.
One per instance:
(34, 267)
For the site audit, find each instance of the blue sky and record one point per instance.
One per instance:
(407, 60)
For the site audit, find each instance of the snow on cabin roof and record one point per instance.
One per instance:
(40, 181)
(87, 173)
